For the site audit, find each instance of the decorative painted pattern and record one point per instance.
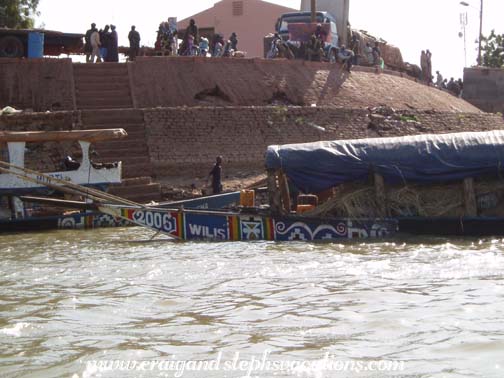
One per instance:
(201, 226)
(84, 221)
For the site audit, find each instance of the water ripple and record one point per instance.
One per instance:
(68, 298)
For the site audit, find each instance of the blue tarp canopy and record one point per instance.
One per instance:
(315, 167)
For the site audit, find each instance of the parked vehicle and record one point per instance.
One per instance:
(297, 28)
(14, 43)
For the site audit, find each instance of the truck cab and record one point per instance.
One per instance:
(296, 28)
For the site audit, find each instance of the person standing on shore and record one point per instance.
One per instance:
(88, 49)
(113, 53)
(428, 57)
(104, 40)
(423, 65)
(377, 54)
(439, 79)
(234, 41)
(134, 40)
(216, 174)
(95, 46)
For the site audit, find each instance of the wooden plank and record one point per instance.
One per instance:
(381, 195)
(59, 202)
(284, 192)
(60, 136)
(470, 205)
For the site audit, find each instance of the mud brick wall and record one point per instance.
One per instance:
(186, 140)
(45, 157)
(182, 139)
(36, 84)
(484, 88)
(196, 81)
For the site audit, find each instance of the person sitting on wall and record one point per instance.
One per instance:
(234, 41)
(314, 48)
(377, 54)
(453, 87)
(216, 174)
(346, 57)
(218, 49)
(368, 52)
(321, 35)
(355, 47)
(228, 51)
(203, 46)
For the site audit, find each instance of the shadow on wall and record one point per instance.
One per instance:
(214, 96)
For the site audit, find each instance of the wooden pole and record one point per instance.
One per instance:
(470, 205)
(273, 193)
(480, 61)
(381, 195)
(313, 11)
(284, 191)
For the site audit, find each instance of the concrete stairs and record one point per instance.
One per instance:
(132, 151)
(102, 86)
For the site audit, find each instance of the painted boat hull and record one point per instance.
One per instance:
(92, 220)
(226, 226)
(77, 221)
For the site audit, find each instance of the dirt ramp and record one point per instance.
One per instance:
(181, 81)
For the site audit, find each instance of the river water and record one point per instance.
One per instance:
(108, 303)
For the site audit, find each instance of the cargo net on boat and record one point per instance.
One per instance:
(360, 200)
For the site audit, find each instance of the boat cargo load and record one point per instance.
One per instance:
(425, 159)
(448, 184)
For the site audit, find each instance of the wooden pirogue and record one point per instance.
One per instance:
(463, 160)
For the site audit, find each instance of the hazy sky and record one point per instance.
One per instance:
(412, 25)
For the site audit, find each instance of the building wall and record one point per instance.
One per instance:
(484, 88)
(37, 84)
(258, 19)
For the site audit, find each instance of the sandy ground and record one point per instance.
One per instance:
(184, 187)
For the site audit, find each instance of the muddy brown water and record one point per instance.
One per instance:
(108, 303)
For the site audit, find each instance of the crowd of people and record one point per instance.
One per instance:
(167, 42)
(316, 48)
(102, 45)
(453, 86)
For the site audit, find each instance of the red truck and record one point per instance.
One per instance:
(14, 42)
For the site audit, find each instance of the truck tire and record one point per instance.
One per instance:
(11, 47)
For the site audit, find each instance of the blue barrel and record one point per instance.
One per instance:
(35, 45)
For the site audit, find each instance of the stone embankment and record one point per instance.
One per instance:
(182, 112)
